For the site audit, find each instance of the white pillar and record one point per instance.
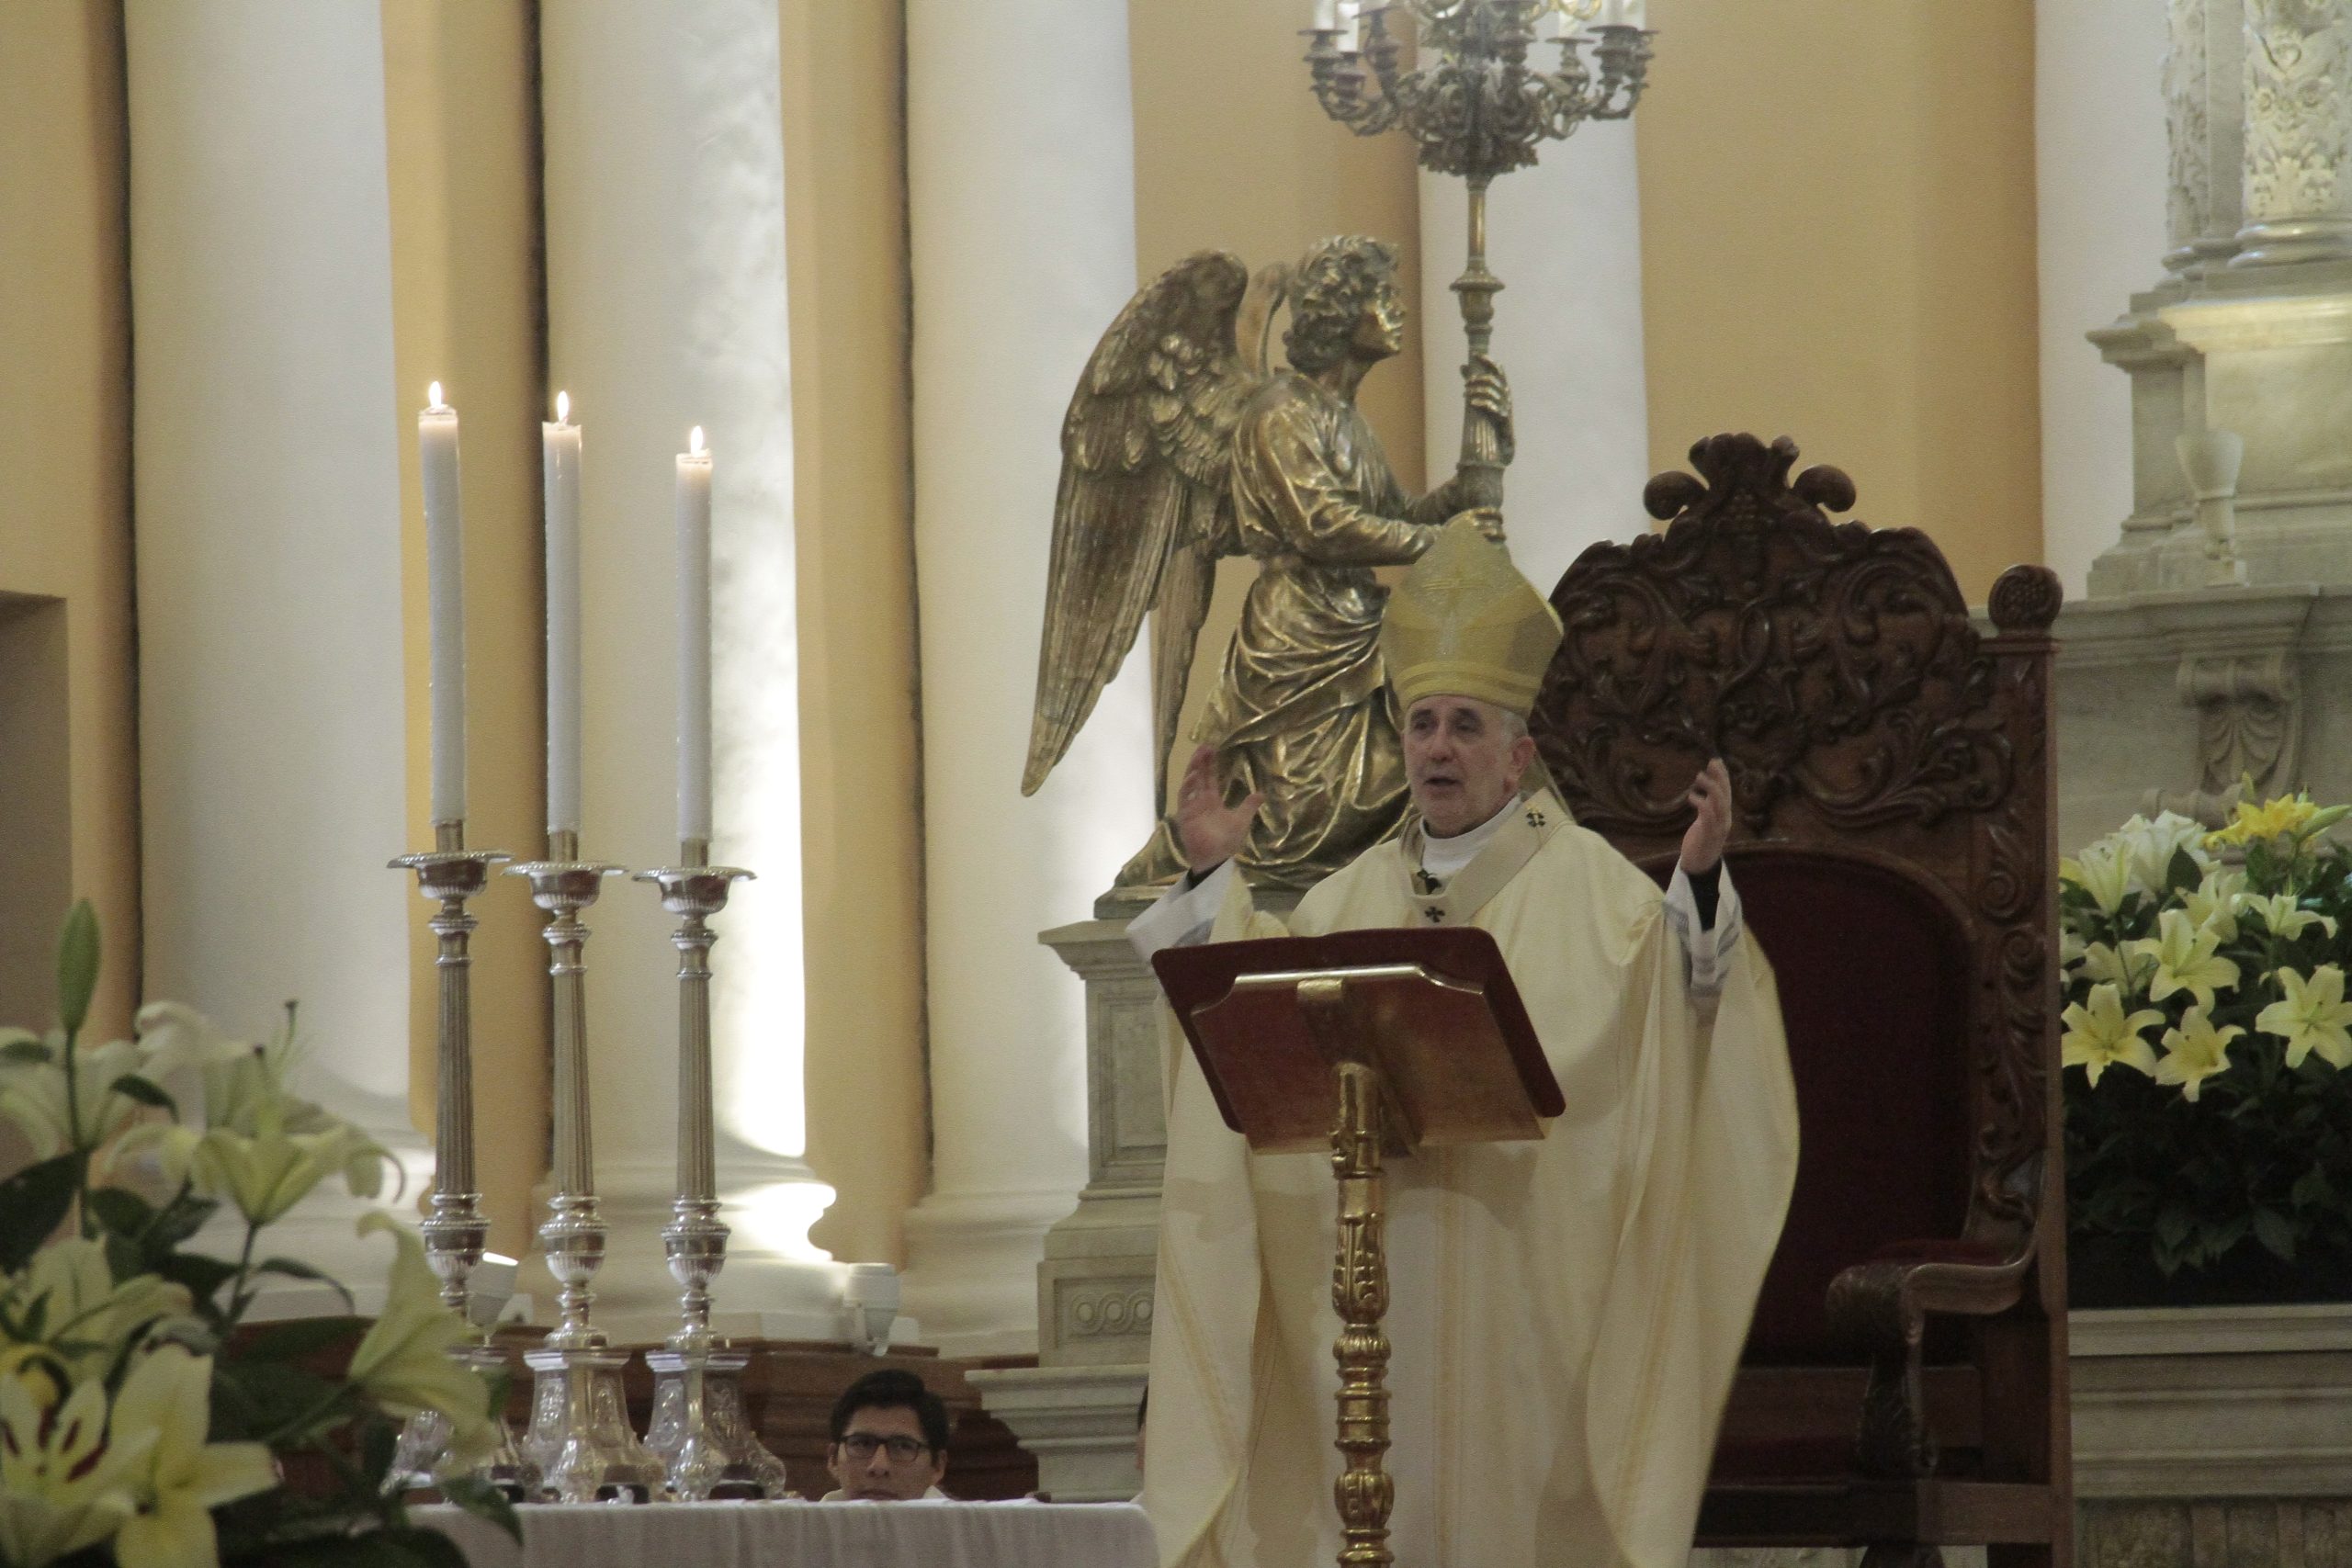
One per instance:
(268, 507)
(666, 309)
(1565, 239)
(2101, 173)
(1022, 205)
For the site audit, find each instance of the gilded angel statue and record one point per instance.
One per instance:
(1182, 446)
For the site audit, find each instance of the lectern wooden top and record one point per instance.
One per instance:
(1435, 1011)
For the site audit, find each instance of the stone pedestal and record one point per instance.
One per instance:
(1076, 1409)
(2214, 1436)
(2165, 698)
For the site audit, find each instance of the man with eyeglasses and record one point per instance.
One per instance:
(889, 1441)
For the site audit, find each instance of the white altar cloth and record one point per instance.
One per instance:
(809, 1535)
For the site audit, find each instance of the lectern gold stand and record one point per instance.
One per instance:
(1372, 1042)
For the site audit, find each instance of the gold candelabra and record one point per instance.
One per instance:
(699, 1427)
(580, 1435)
(455, 1233)
(1476, 106)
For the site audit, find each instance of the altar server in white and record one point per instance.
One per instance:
(1565, 1315)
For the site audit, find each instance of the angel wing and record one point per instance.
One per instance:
(1143, 508)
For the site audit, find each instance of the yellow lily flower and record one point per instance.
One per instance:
(2102, 963)
(2195, 1052)
(167, 1400)
(2284, 918)
(2215, 903)
(2291, 817)
(403, 1361)
(2103, 871)
(2310, 1017)
(62, 1480)
(2100, 1036)
(2185, 960)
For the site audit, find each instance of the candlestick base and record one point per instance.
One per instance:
(424, 1462)
(702, 1432)
(580, 1437)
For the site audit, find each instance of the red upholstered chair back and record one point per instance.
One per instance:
(1871, 968)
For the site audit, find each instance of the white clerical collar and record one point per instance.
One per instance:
(1443, 858)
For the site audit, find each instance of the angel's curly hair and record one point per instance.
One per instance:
(1335, 284)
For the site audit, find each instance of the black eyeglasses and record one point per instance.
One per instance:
(861, 1446)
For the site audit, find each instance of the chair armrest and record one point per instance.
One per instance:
(1881, 1308)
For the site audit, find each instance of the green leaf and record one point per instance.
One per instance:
(180, 1219)
(146, 1091)
(26, 1053)
(2271, 1229)
(201, 1274)
(2184, 873)
(263, 1396)
(378, 1441)
(121, 1211)
(295, 1269)
(33, 1203)
(484, 1501)
(77, 965)
(299, 1338)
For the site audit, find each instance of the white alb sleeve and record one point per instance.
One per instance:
(1182, 916)
(1706, 953)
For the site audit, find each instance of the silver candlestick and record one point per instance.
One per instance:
(580, 1435)
(699, 1425)
(455, 1231)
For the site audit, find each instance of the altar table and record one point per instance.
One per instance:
(809, 1535)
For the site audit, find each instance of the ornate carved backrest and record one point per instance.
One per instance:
(1893, 848)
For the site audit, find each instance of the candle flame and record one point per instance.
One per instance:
(433, 394)
(563, 407)
(693, 442)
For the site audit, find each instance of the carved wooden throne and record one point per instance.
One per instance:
(1904, 1384)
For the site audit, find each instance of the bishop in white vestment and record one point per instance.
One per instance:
(1565, 1315)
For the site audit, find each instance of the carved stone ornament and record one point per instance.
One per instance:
(2189, 205)
(2248, 718)
(2298, 130)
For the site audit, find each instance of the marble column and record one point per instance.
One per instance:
(2298, 111)
(666, 310)
(1022, 219)
(267, 513)
(2204, 82)
(2101, 167)
(1566, 237)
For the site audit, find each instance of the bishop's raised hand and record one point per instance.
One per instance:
(1209, 831)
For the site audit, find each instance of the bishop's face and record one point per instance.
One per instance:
(1380, 331)
(1464, 759)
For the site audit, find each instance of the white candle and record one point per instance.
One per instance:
(1327, 15)
(693, 640)
(559, 453)
(445, 577)
(1350, 26)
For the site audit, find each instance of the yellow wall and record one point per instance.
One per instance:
(1232, 152)
(64, 441)
(1838, 245)
(861, 798)
(462, 134)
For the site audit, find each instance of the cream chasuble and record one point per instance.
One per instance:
(1565, 1315)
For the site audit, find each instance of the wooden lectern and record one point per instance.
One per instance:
(1373, 1043)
